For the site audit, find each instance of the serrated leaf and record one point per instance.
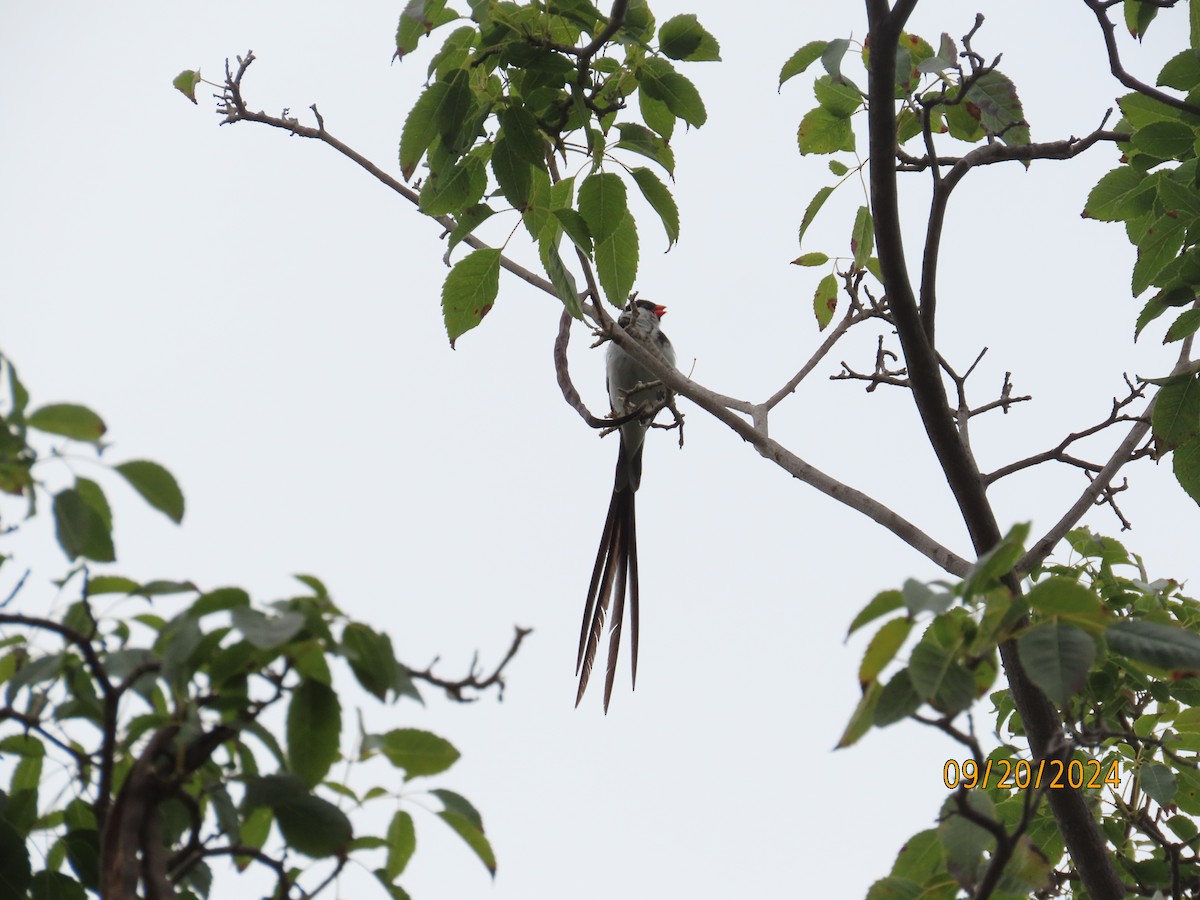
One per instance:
(825, 300)
(455, 188)
(603, 204)
(811, 259)
(157, 486)
(314, 725)
(372, 659)
(1176, 416)
(1164, 646)
(467, 221)
(80, 529)
(420, 127)
(810, 212)
(310, 824)
(186, 83)
(520, 129)
(683, 37)
(898, 700)
(513, 174)
(862, 237)
(575, 227)
(617, 261)
(1156, 247)
(1058, 657)
(1158, 781)
(70, 420)
(801, 60)
(1166, 140)
(659, 79)
(1184, 326)
(1110, 200)
(939, 679)
(883, 648)
(839, 98)
(881, 604)
(861, 719)
(1138, 17)
(1182, 71)
(656, 115)
(659, 197)
(821, 131)
(469, 291)
(1000, 110)
(561, 277)
(1185, 463)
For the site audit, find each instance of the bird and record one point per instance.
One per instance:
(635, 396)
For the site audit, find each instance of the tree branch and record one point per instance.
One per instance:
(1118, 70)
(475, 681)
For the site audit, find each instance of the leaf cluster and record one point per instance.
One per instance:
(1116, 653)
(517, 88)
(200, 727)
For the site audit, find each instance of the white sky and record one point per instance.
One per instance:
(263, 318)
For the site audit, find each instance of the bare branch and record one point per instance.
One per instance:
(475, 680)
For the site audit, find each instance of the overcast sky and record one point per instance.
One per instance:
(262, 317)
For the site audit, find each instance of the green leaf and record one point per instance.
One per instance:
(1000, 110)
(455, 188)
(1065, 597)
(920, 597)
(860, 720)
(1164, 646)
(1158, 781)
(996, 563)
(472, 836)
(811, 259)
(603, 205)
(93, 496)
(617, 261)
(47, 885)
(457, 803)
(1186, 465)
(420, 127)
(314, 725)
(418, 19)
(1156, 248)
(561, 277)
(939, 679)
(70, 420)
(15, 870)
(220, 600)
(862, 238)
(520, 130)
(881, 604)
(963, 841)
(1057, 657)
(1138, 17)
(814, 206)
(83, 853)
(1114, 196)
(576, 228)
(188, 80)
(513, 174)
(466, 222)
(660, 200)
(801, 60)
(1176, 416)
(893, 888)
(839, 98)
(156, 485)
(883, 647)
(311, 825)
(822, 132)
(656, 115)
(266, 632)
(898, 700)
(682, 37)
(825, 300)
(401, 844)
(1168, 140)
(417, 752)
(1184, 326)
(469, 291)
(1182, 71)
(659, 79)
(372, 659)
(80, 529)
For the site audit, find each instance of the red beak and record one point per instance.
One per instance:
(660, 310)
